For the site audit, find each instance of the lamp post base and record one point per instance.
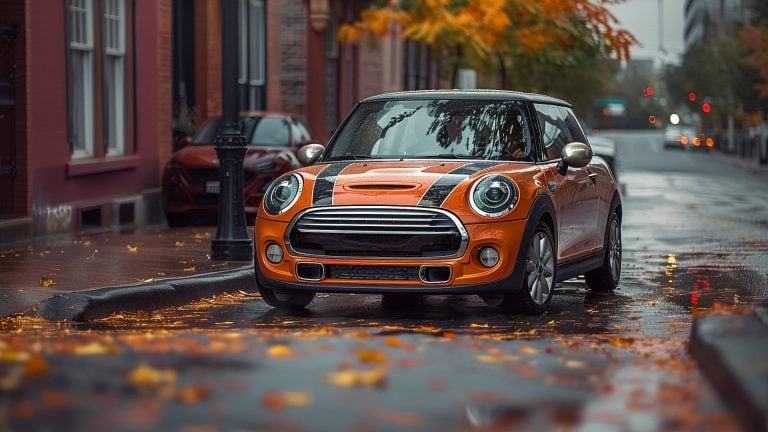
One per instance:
(232, 249)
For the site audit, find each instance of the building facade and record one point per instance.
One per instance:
(95, 93)
(706, 20)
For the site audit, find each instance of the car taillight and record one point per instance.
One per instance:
(710, 142)
(697, 141)
(683, 140)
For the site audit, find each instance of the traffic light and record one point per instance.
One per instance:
(692, 96)
(649, 91)
(706, 107)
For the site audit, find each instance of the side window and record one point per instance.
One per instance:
(554, 129)
(300, 131)
(577, 133)
(271, 131)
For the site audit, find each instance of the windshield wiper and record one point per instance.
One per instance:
(446, 156)
(348, 157)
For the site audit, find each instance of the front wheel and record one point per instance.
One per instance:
(283, 299)
(606, 278)
(539, 279)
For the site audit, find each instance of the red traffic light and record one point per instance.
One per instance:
(706, 107)
(649, 91)
(691, 96)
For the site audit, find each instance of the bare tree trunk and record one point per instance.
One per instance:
(502, 70)
(456, 64)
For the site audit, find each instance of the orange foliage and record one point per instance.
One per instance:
(484, 26)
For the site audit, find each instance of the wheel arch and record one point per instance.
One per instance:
(542, 210)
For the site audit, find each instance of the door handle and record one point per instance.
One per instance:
(591, 178)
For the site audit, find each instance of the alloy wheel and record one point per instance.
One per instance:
(540, 268)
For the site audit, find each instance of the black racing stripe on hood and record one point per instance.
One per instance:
(439, 191)
(322, 193)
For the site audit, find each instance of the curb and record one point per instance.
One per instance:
(102, 302)
(731, 351)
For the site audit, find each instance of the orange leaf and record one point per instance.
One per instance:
(47, 282)
(353, 378)
(280, 351)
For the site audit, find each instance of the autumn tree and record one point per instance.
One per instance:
(500, 32)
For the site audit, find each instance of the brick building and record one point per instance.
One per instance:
(93, 93)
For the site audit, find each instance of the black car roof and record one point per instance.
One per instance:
(467, 94)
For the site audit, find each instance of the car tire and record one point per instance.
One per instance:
(539, 277)
(284, 299)
(606, 278)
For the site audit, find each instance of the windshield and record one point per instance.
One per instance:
(258, 131)
(473, 129)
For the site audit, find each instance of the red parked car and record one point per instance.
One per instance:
(191, 176)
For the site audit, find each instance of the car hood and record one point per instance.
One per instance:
(200, 156)
(424, 183)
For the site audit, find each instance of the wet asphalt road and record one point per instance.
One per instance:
(695, 237)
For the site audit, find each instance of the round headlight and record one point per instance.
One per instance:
(493, 195)
(282, 194)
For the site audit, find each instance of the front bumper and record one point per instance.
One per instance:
(468, 275)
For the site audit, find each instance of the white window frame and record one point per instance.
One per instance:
(114, 50)
(80, 15)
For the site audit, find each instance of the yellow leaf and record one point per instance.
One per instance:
(47, 282)
(476, 325)
(352, 378)
(145, 375)
(179, 243)
(132, 249)
(190, 269)
(526, 349)
(371, 356)
(574, 364)
(95, 348)
(277, 400)
(280, 351)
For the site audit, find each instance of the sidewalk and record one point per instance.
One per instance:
(152, 262)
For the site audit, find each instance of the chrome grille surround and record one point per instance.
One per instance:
(374, 220)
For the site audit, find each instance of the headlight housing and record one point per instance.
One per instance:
(283, 194)
(493, 195)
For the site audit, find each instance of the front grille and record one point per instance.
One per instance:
(377, 232)
(372, 272)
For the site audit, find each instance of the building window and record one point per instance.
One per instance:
(81, 78)
(114, 77)
(252, 46)
(417, 64)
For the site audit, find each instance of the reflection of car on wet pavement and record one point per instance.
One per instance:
(443, 192)
(191, 177)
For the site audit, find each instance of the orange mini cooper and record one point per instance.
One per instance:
(491, 193)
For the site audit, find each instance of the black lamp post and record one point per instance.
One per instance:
(232, 241)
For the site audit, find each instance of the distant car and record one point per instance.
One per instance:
(190, 185)
(686, 138)
(492, 193)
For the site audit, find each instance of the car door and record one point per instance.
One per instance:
(574, 193)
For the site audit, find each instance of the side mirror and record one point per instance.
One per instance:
(310, 153)
(575, 155)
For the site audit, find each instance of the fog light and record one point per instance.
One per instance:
(489, 256)
(274, 253)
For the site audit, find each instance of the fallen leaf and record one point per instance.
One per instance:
(621, 342)
(190, 269)
(280, 351)
(95, 348)
(526, 349)
(145, 375)
(495, 358)
(276, 400)
(354, 378)
(47, 282)
(179, 243)
(192, 394)
(147, 280)
(476, 325)
(36, 366)
(9, 355)
(393, 341)
(371, 356)
(132, 249)
(574, 364)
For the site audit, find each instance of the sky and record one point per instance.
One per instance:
(641, 18)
